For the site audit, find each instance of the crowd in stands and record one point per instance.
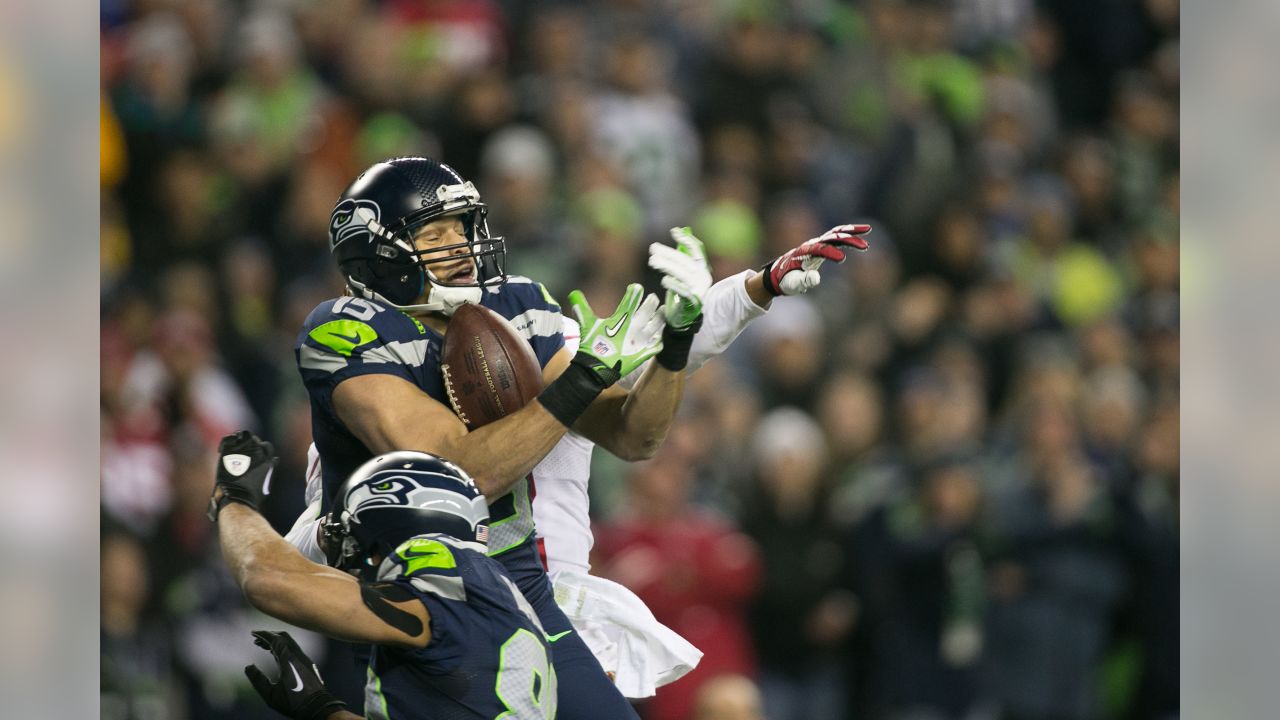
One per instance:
(941, 486)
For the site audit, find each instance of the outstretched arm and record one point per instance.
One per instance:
(632, 425)
(279, 581)
(732, 303)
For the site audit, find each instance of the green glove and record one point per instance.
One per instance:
(621, 342)
(686, 276)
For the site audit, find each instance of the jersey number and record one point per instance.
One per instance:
(356, 308)
(526, 681)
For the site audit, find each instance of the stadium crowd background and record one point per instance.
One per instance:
(942, 485)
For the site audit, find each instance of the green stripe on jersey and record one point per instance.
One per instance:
(547, 295)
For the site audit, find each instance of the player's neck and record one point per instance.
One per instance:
(433, 320)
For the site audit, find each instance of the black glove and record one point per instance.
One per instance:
(300, 693)
(244, 472)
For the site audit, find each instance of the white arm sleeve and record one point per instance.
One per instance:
(303, 533)
(726, 310)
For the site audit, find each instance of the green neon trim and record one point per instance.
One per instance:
(512, 546)
(421, 330)
(423, 553)
(343, 336)
(547, 295)
(377, 689)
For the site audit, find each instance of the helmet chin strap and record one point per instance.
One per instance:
(444, 299)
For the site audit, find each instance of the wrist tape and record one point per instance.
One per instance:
(769, 285)
(674, 355)
(576, 388)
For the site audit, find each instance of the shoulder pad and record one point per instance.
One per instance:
(347, 323)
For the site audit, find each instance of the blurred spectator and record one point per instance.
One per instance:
(181, 379)
(481, 105)
(519, 182)
(270, 109)
(728, 226)
(1154, 543)
(787, 348)
(1075, 283)
(558, 49)
(1114, 403)
(918, 574)
(643, 129)
(611, 254)
(801, 616)
(694, 571)
(728, 697)
(1057, 577)
(137, 657)
(1088, 167)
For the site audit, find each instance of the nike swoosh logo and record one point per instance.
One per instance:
(296, 676)
(557, 636)
(353, 339)
(411, 554)
(616, 326)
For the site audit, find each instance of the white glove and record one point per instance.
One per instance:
(686, 276)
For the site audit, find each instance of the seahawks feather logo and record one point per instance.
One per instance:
(353, 217)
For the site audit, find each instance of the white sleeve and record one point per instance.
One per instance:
(315, 479)
(726, 310)
(303, 533)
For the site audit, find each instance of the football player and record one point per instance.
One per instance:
(637, 651)
(451, 634)
(411, 239)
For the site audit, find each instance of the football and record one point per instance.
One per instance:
(489, 370)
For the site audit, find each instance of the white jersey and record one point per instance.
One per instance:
(640, 652)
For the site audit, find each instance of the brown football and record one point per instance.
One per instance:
(489, 370)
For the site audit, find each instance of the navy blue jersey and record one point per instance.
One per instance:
(349, 336)
(488, 656)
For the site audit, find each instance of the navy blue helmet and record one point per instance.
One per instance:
(398, 496)
(372, 227)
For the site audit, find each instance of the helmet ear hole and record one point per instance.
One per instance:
(399, 282)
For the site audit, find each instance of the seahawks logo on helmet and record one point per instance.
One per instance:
(353, 217)
(411, 488)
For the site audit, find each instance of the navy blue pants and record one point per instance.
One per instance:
(586, 692)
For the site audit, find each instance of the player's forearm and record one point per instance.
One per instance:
(264, 564)
(729, 306)
(250, 546)
(503, 452)
(633, 426)
(756, 290)
(344, 715)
